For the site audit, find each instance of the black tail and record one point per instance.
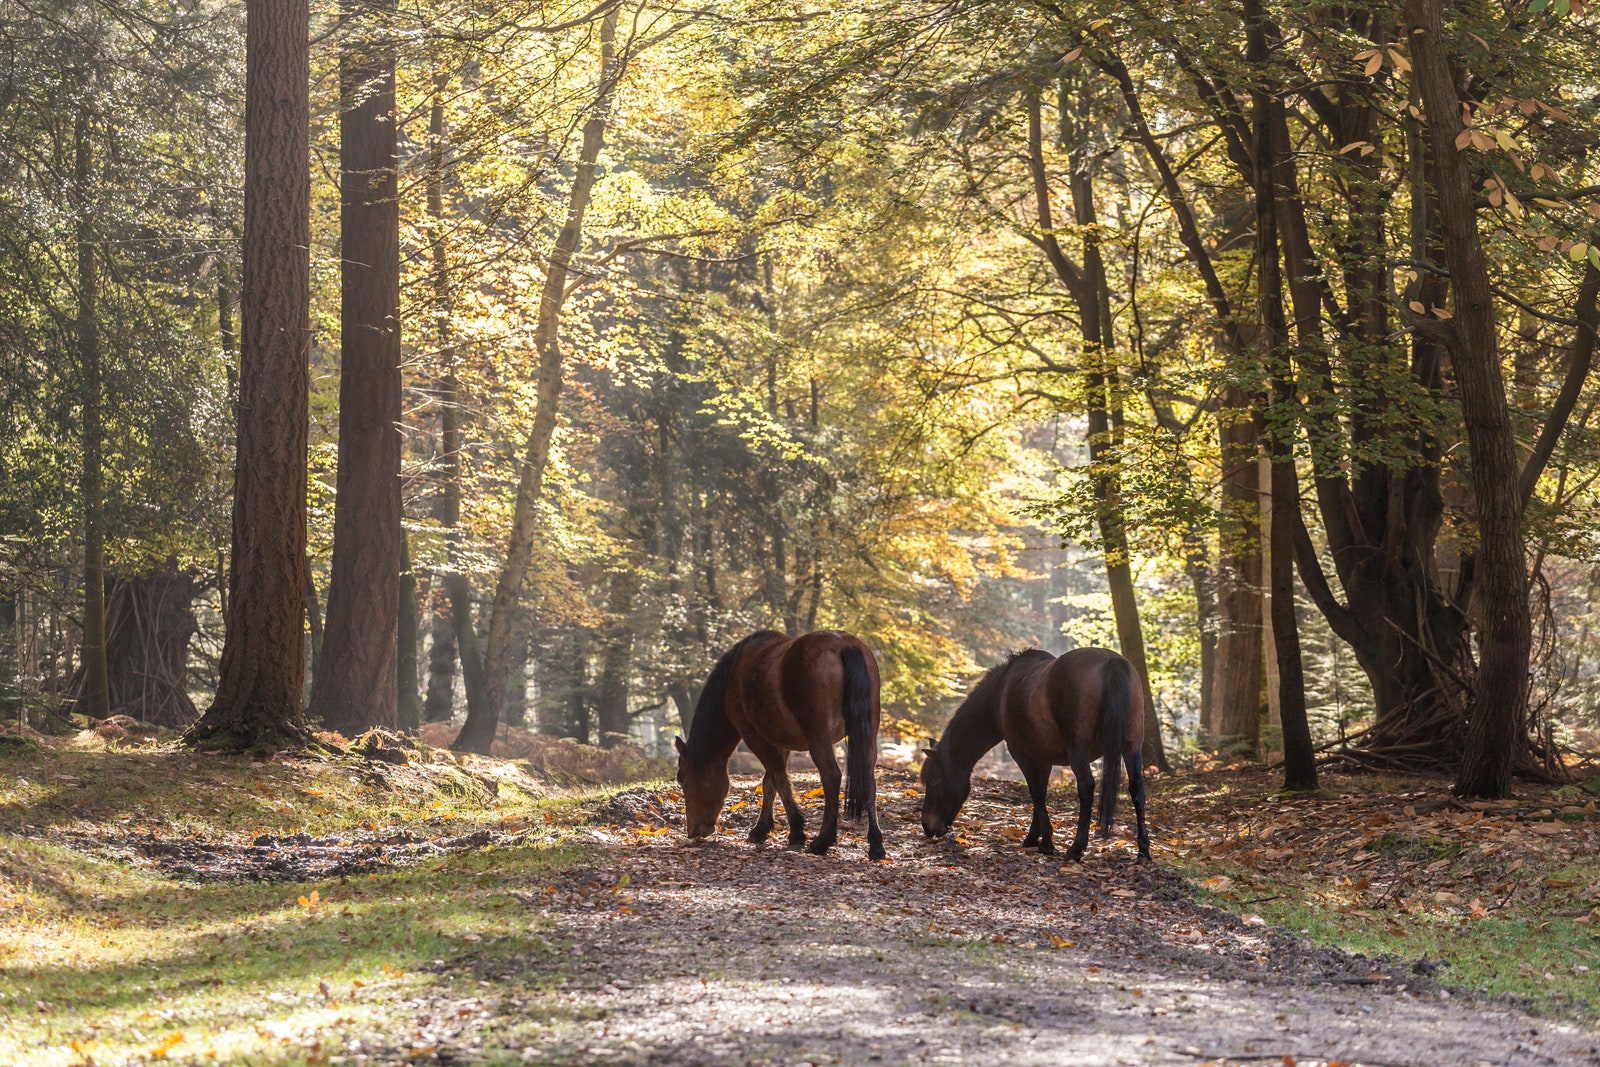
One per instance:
(711, 724)
(861, 733)
(1116, 705)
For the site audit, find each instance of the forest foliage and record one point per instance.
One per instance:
(962, 327)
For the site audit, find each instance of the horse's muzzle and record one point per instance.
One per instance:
(700, 831)
(933, 826)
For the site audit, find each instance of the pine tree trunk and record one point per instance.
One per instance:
(263, 656)
(355, 685)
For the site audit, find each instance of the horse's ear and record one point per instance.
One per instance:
(930, 751)
(683, 749)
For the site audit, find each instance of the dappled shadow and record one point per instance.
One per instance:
(963, 948)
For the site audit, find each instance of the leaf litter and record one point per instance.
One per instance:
(961, 949)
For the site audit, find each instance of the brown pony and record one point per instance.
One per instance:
(780, 694)
(1048, 710)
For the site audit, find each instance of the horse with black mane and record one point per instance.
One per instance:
(780, 694)
(1048, 710)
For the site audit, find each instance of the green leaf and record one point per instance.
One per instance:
(1563, 7)
(1594, 256)
(1538, 6)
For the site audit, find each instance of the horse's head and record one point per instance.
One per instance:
(943, 793)
(704, 790)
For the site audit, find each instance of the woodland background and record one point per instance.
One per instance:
(1253, 340)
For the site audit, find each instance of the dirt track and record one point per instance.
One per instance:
(953, 952)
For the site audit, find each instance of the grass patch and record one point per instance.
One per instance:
(1505, 895)
(102, 962)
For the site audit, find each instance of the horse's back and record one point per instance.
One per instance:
(792, 689)
(1075, 686)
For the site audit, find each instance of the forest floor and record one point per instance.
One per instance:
(159, 907)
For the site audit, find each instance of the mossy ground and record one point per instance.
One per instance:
(103, 962)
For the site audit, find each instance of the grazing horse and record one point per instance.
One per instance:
(1048, 710)
(779, 694)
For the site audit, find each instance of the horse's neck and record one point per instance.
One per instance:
(973, 731)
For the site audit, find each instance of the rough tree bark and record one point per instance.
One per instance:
(263, 655)
(1496, 720)
(354, 689)
(149, 621)
(477, 733)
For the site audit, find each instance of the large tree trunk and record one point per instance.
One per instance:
(96, 699)
(263, 656)
(477, 733)
(149, 621)
(354, 689)
(1496, 721)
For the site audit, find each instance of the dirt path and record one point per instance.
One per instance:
(959, 951)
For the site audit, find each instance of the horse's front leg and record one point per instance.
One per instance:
(1040, 831)
(832, 778)
(1135, 765)
(1083, 771)
(791, 806)
(774, 762)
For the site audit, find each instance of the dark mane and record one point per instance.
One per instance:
(711, 729)
(975, 727)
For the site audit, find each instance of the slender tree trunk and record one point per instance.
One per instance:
(1090, 290)
(1299, 757)
(1497, 719)
(354, 689)
(1240, 670)
(96, 701)
(314, 625)
(263, 656)
(447, 504)
(407, 713)
(515, 709)
(478, 731)
(616, 662)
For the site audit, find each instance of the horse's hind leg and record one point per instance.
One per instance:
(832, 779)
(1040, 832)
(1134, 762)
(1083, 771)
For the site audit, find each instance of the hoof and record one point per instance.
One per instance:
(758, 837)
(819, 847)
(1144, 857)
(876, 852)
(797, 841)
(1075, 855)
(1047, 848)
